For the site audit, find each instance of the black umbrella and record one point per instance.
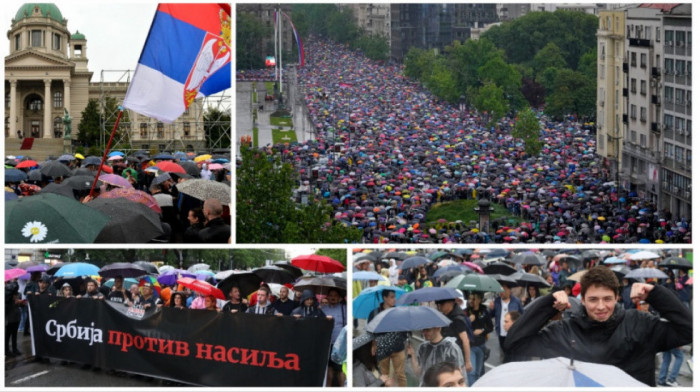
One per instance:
(364, 257)
(320, 284)
(294, 270)
(575, 261)
(504, 279)
(247, 283)
(35, 175)
(125, 270)
(550, 253)
(620, 271)
(395, 255)
(414, 262)
(529, 258)
(81, 182)
(675, 262)
(590, 255)
(428, 294)
(499, 267)
(191, 168)
(91, 160)
(274, 274)
(55, 268)
(526, 279)
(130, 222)
(55, 169)
(59, 189)
(147, 266)
(75, 283)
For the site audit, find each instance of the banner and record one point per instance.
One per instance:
(192, 346)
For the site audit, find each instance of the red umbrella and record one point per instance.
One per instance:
(133, 195)
(318, 263)
(27, 163)
(172, 167)
(201, 287)
(107, 169)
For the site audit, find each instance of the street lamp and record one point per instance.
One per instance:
(484, 210)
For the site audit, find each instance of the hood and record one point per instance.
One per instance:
(306, 295)
(580, 317)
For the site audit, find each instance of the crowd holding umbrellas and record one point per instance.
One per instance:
(422, 279)
(139, 198)
(386, 150)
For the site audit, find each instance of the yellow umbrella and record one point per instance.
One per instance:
(79, 156)
(202, 158)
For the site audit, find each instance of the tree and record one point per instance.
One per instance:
(341, 26)
(549, 56)
(442, 82)
(89, 127)
(506, 77)
(340, 255)
(527, 128)
(573, 93)
(588, 64)
(418, 63)
(374, 47)
(250, 32)
(490, 99)
(217, 128)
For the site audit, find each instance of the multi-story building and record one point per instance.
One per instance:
(266, 14)
(644, 110)
(46, 74)
(374, 19)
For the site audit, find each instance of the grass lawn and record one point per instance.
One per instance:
(281, 121)
(255, 137)
(270, 87)
(463, 210)
(283, 136)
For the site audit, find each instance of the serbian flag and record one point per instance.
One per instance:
(187, 55)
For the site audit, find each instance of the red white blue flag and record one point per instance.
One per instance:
(187, 55)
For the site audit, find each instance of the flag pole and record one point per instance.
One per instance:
(104, 156)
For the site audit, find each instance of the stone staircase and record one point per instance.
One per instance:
(41, 149)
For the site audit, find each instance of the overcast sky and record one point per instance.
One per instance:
(115, 31)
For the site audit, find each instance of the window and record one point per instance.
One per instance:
(633, 86)
(688, 157)
(78, 51)
(643, 87)
(601, 72)
(57, 125)
(647, 32)
(56, 42)
(668, 150)
(680, 124)
(679, 154)
(159, 130)
(633, 111)
(633, 61)
(668, 66)
(668, 94)
(34, 103)
(58, 100)
(668, 37)
(17, 41)
(680, 67)
(658, 34)
(643, 60)
(143, 130)
(7, 100)
(633, 138)
(643, 140)
(680, 96)
(680, 38)
(36, 37)
(668, 121)
(642, 114)
(186, 128)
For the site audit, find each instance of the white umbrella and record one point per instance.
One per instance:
(644, 255)
(275, 290)
(557, 372)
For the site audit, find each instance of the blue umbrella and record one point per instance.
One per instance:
(10, 196)
(366, 275)
(66, 158)
(450, 268)
(163, 156)
(73, 270)
(407, 318)
(414, 262)
(614, 260)
(14, 175)
(113, 153)
(128, 282)
(369, 299)
(428, 294)
(92, 160)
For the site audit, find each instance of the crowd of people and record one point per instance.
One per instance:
(183, 216)
(593, 299)
(387, 150)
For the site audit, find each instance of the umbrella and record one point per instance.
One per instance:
(75, 283)
(14, 273)
(221, 275)
(645, 255)
(72, 270)
(473, 266)
(164, 268)
(556, 372)
(27, 264)
(206, 189)
(55, 268)
(153, 281)
(130, 222)
(443, 270)
(475, 282)
(66, 158)
(202, 287)
(395, 255)
(128, 282)
(126, 270)
(318, 263)
(274, 274)
(527, 279)
(499, 267)
(50, 218)
(590, 254)
(91, 160)
(620, 271)
(275, 290)
(645, 273)
(320, 284)
(414, 262)
(199, 267)
(247, 282)
(614, 260)
(163, 156)
(191, 168)
(14, 175)
(367, 275)
(54, 169)
(202, 158)
(170, 277)
(507, 280)
(170, 167)
(147, 266)
(35, 175)
(116, 180)
(576, 277)
(492, 253)
(133, 195)
(575, 261)
(38, 268)
(296, 271)
(675, 262)
(369, 299)
(364, 257)
(407, 318)
(529, 258)
(428, 294)
(26, 164)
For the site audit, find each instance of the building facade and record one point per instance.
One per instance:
(47, 76)
(644, 101)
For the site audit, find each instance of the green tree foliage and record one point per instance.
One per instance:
(549, 56)
(340, 255)
(490, 99)
(374, 47)
(89, 127)
(312, 18)
(588, 65)
(527, 128)
(466, 58)
(442, 82)
(266, 212)
(217, 128)
(573, 93)
(94, 117)
(506, 77)
(341, 26)
(418, 63)
(250, 32)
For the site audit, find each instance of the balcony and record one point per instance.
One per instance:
(640, 42)
(625, 67)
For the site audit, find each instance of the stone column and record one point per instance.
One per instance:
(13, 108)
(66, 104)
(48, 126)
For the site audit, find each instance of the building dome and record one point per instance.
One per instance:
(46, 9)
(77, 36)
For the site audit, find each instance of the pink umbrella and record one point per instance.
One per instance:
(115, 180)
(474, 267)
(216, 166)
(14, 273)
(133, 195)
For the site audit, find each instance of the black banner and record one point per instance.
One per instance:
(193, 346)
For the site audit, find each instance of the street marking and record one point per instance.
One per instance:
(21, 380)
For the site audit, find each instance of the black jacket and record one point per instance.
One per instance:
(629, 340)
(215, 231)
